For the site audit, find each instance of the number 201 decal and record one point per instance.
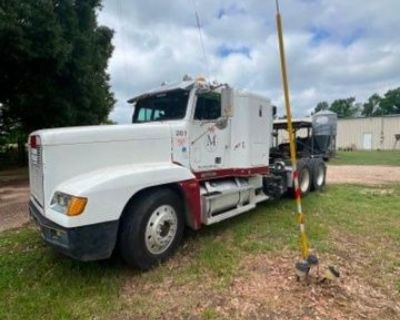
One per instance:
(181, 133)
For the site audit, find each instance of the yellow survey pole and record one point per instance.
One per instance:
(297, 192)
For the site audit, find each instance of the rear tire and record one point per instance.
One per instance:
(151, 229)
(318, 168)
(305, 176)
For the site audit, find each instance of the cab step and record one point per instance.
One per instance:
(229, 214)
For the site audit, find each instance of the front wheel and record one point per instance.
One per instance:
(151, 229)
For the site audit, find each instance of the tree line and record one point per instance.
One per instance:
(53, 62)
(376, 105)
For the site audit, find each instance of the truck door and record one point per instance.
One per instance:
(260, 137)
(208, 150)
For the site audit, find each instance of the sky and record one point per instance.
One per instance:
(335, 48)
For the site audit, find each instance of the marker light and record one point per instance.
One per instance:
(34, 141)
(200, 78)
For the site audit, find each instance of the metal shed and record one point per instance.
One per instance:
(370, 133)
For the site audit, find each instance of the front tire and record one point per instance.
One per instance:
(151, 229)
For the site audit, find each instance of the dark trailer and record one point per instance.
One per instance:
(319, 140)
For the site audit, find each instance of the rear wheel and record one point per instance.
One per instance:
(305, 178)
(304, 169)
(318, 168)
(151, 229)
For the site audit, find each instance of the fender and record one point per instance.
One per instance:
(109, 189)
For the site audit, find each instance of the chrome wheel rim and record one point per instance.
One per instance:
(305, 180)
(161, 229)
(320, 176)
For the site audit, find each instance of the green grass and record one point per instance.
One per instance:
(389, 158)
(37, 283)
(209, 314)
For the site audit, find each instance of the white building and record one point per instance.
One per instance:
(370, 133)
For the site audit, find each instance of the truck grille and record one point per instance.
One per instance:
(36, 173)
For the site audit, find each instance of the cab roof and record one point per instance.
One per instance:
(183, 85)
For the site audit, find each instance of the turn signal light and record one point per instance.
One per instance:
(76, 206)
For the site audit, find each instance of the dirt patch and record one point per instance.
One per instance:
(168, 299)
(269, 282)
(14, 195)
(367, 175)
(264, 288)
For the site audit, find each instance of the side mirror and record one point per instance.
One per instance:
(221, 123)
(227, 102)
(274, 111)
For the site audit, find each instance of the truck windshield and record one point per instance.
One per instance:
(160, 107)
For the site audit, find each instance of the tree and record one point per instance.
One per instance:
(372, 105)
(53, 62)
(344, 108)
(375, 106)
(323, 105)
(390, 103)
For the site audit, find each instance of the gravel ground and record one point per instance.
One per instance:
(367, 175)
(14, 194)
(13, 204)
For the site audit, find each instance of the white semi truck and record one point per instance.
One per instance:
(195, 154)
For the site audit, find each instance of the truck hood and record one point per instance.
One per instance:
(103, 133)
(65, 153)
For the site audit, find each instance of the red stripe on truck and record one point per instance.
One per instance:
(232, 172)
(191, 190)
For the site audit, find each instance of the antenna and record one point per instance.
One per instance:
(277, 6)
(198, 23)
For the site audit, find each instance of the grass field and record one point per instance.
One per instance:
(389, 158)
(238, 269)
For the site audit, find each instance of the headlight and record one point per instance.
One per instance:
(67, 204)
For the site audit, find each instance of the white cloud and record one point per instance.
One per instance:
(334, 48)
